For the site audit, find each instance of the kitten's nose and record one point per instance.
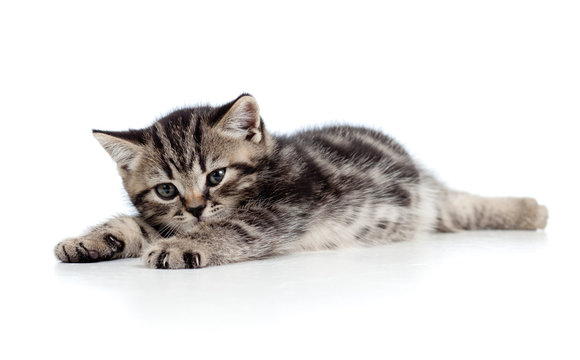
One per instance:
(196, 211)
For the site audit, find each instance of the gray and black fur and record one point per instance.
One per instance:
(317, 189)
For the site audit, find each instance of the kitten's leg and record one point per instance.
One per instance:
(119, 237)
(211, 244)
(458, 210)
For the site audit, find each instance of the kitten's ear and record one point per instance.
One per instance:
(242, 120)
(123, 146)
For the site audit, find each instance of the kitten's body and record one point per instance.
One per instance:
(317, 189)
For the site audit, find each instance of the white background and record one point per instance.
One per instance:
(486, 93)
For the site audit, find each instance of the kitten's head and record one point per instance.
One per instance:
(193, 165)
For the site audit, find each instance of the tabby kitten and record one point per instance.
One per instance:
(212, 187)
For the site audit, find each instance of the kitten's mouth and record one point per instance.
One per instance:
(182, 225)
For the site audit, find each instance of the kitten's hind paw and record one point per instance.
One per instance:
(533, 215)
(89, 249)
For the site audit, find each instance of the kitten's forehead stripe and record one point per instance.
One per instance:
(177, 130)
(161, 150)
(174, 133)
(197, 137)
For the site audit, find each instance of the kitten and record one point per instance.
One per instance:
(212, 187)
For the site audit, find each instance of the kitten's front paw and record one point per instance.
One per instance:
(89, 248)
(174, 255)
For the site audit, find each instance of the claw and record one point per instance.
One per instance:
(197, 259)
(162, 260)
(114, 243)
(191, 260)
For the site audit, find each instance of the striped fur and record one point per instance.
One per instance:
(317, 189)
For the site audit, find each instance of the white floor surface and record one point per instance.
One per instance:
(486, 294)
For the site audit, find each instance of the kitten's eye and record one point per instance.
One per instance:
(166, 191)
(215, 177)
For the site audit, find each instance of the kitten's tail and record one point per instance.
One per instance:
(463, 211)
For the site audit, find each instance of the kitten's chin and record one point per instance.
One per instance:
(188, 226)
